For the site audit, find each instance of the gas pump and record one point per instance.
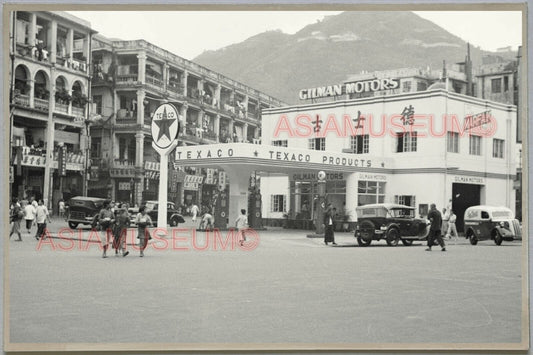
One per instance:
(221, 202)
(255, 219)
(222, 209)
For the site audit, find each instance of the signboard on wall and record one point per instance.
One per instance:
(476, 180)
(372, 177)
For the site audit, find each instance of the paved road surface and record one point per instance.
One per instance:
(288, 289)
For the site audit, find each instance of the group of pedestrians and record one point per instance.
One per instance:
(114, 221)
(34, 213)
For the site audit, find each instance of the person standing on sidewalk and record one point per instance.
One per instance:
(16, 218)
(445, 219)
(29, 216)
(194, 212)
(329, 234)
(241, 223)
(452, 228)
(42, 216)
(435, 218)
(143, 221)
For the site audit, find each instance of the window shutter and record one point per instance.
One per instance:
(271, 203)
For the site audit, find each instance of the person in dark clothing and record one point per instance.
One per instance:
(329, 236)
(435, 218)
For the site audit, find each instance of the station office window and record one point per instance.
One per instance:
(406, 142)
(475, 145)
(280, 143)
(496, 85)
(406, 200)
(497, 148)
(278, 203)
(359, 144)
(452, 142)
(370, 192)
(317, 143)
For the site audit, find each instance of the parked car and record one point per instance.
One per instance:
(173, 217)
(391, 222)
(84, 210)
(490, 222)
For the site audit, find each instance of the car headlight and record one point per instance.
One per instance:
(504, 224)
(383, 228)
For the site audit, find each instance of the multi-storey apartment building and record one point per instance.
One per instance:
(49, 90)
(130, 80)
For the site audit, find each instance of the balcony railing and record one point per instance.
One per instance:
(123, 163)
(210, 135)
(126, 115)
(154, 81)
(127, 78)
(61, 108)
(23, 100)
(177, 88)
(40, 104)
(78, 111)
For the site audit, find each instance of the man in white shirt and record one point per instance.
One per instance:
(29, 216)
(194, 212)
(42, 216)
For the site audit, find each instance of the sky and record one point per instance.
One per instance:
(189, 33)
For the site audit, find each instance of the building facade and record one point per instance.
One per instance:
(49, 90)
(130, 80)
(415, 149)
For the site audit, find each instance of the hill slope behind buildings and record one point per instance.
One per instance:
(328, 51)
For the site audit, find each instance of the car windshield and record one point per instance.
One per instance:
(401, 213)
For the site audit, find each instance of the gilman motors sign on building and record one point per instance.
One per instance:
(349, 88)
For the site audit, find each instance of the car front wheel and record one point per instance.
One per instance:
(363, 242)
(174, 222)
(72, 225)
(473, 239)
(393, 237)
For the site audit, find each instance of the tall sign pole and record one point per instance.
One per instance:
(165, 128)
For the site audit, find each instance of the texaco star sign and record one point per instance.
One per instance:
(165, 125)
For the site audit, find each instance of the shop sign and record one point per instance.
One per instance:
(36, 158)
(192, 186)
(151, 165)
(350, 88)
(11, 175)
(194, 179)
(154, 175)
(469, 180)
(473, 121)
(314, 177)
(124, 186)
(210, 176)
(221, 180)
(372, 177)
(268, 153)
(117, 173)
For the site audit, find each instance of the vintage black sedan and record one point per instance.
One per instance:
(390, 222)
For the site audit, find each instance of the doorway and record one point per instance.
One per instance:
(464, 196)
